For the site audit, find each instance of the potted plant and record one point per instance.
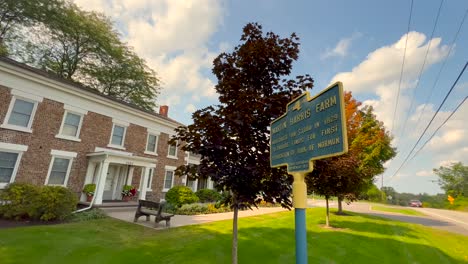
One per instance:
(89, 190)
(128, 192)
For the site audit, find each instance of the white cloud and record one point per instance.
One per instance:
(446, 163)
(190, 108)
(424, 173)
(342, 47)
(172, 35)
(379, 73)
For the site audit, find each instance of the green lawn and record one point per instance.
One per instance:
(405, 211)
(262, 239)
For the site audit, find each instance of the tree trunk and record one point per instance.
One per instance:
(340, 205)
(234, 234)
(327, 221)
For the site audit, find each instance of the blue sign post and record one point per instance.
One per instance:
(312, 128)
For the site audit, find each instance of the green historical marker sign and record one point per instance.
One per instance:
(312, 128)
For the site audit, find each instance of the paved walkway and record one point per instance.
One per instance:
(127, 215)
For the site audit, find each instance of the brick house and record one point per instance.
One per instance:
(55, 132)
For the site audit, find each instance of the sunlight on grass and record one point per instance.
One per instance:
(267, 239)
(404, 211)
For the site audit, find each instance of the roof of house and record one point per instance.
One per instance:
(82, 87)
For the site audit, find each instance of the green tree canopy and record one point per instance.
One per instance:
(80, 46)
(348, 175)
(453, 179)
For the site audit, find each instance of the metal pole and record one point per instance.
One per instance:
(300, 205)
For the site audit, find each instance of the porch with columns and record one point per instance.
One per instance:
(111, 170)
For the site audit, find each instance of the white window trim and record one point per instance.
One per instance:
(155, 152)
(166, 169)
(64, 155)
(110, 145)
(150, 180)
(13, 148)
(176, 147)
(35, 101)
(77, 137)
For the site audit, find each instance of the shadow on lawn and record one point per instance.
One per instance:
(335, 247)
(372, 227)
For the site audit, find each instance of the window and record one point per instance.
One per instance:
(71, 125)
(59, 171)
(169, 178)
(118, 135)
(152, 144)
(7, 166)
(60, 167)
(10, 156)
(172, 152)
(21, 112)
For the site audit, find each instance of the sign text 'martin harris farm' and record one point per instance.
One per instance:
(312, 128)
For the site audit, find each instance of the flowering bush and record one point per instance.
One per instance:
(128, 190)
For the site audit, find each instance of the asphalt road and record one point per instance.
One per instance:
(452, 221)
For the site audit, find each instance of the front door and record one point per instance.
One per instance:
(110, 183)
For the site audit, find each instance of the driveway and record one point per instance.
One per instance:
(452, 221)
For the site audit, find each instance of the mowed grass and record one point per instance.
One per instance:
(262, 239)
(405, 211)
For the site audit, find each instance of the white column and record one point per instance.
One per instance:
(210, 183)
(184, 180)
(101, 182)
(143, 182)
(130, 175)
(89, 178)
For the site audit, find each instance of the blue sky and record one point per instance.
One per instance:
(360, 43)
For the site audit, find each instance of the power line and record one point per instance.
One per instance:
(441, 68)
(402, 67)
(435, 132)
(422, 68)
(430, 122)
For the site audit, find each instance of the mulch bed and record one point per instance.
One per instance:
(12, 223)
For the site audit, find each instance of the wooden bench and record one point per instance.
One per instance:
(148, 208)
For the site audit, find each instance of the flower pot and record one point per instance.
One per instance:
(126, 198)
(89, 198)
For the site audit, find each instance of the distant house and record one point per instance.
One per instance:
(55, 132)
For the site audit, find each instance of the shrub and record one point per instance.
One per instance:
(55, 203)
(180, 195)
(27, 201)
(200, 208)
(207, 195)
(92, 214)
(19, 199)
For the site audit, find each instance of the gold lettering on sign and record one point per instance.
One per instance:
(280, 127)
(329, 102)
(328, 142)
(299, 117)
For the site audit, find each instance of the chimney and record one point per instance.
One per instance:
(163, 110)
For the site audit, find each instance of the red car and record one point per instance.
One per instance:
(415, 203)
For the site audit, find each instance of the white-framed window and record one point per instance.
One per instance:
(21, 112)
(71, 123)
(10, 157)
(117, 139)
(150, 179)
(169, 178)
(172, 151)
(152, 143)
(60, 167)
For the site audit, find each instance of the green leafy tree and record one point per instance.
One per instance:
(348, 175)
(15, 13)
(232, 138)
(453, 179)
(84, 47)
